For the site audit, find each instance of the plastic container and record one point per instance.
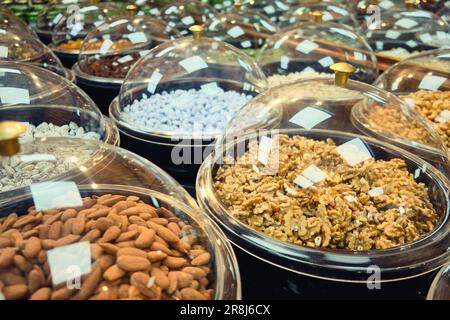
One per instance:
(174, 74)
(310, 50)
(98, 177)
(332, 12)
(23, 47)
(440, 288)
(295, 146)
(110, 50)
(393, 37)
(185, 13)
(246, 30)
(69, 32)
(9, 21)
(34, 95)
(273, 9)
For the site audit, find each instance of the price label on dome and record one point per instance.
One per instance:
(3, 52)
(265, 144)
(125, 59)
(9, 95)
(375, 192)
(430, 82)
(269, 9)
(284, 62)
(69, 263)
(153, 81)
(306, 46)
(57, 18)
(391, 34)
(350, 198)
(386, 4)
(194, 63)
(188, 20)
(327, 16)
(411, 43)
(77, 27)
(6, 70)
(137, 37)
(106, 45)
(309, 117)
(37, 157)
(406, 23)
(88, 8)
(246, 44)
(55, 195)
(354, 152)
(235, 32)
(282, 6)
(339, 10)
(426, 37)
(326, 62)
(310, 176)
(443, 116)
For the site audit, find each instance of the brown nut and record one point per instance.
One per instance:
(133, 263)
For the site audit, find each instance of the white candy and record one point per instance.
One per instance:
(199, 111)
(45, 129)
(278, 79)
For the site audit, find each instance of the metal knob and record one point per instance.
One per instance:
(342, 71)
(9, 137)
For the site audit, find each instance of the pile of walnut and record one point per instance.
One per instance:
(432, 104)
(137, 251)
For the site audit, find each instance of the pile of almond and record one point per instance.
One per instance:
(137, 252)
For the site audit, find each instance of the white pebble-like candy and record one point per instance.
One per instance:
(45, 129)
(278, 79)
(185, 111)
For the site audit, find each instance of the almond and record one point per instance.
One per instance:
(201, 259)
(89, 285)
(112, 233)
(161, 278)
(111, 200)
(22, 263)
(167, 235)
(9, 278)
(96, 251)
(173, 282)
(184, 279)
(129, 235)
(53, 218)
(174, 262)
(36, 279)
(158, 246)
(71, 238)
(105, 261)
(103, 224)
(67, 228)
(155, 256)
(42, 294)
(24, 220)
(191, 294)
(5, 242)
(92, 235)
(129, 211)
(113, 273)
(141, 281)
(132, 252)
(99, 213)
(48, 243)
(9, 222)
(15, 292)
(109, 248)
(55, 230)
(197, 273)
(32, 247)
(133, 263)
(67, 214)
(145, 239)
(78, 224)
(160, 221)
(62, 294)
(164, 212)
(7, 257)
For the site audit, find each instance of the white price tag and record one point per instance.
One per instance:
(55, 195)
(350, 199)
(354, 152)
(443, 116)
(309, 177)
(309, 117)
(125, 59)
(246, 44)
(5, 70)
(105, 46)
(386, 4)
(326, 62)
(68, 263)
(57, 18)
(406, 23)
(306, 46)
(188, 20)
(37, 157)
(284, 62)
(411, 44)
(431, 82)
(3, 52)
(269, 9)
(211, 88)
(265, 144)
(194, 63)
(235, 32)
(153, 82)
(9, 95)
(137, 37)
(391, 34)
(375, 192)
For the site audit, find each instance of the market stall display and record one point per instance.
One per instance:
(185, 13)
(70, 31)
(245, 30)
(130, 230)
(294, 183)
(9, 21)
(179, 97)
(50, 106)
(309, 50)
(394, 36)
(24, 47)
(273, 9)
(109, 51)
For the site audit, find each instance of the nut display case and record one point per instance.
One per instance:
(179, 97)
(394, 36)
(49, 105)
(112, 221)
(246, 30)
(440, 288)
(310, 50)
(8, 21)
(70, 31)
(273, 9)
(109, 51)
(23, 47)
(331, 13)
(294, 184)
(186, 13)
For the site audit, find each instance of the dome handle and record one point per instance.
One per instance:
(9, 137)
(342, 71)
(197, 31)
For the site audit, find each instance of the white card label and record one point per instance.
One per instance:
(406, 23)
(375, 192)
(105, 46)
(431, 82)
(326, 62)
(309, 117)
(10, 95)
(246, 44)
(194, 63)
(153, 82)
(235, 32)
(55, 195)
(3, 52)
(306, 46)
(354, 152)
(68, 263)
(391, 34)
(37, 157)
(137, 37)
(188, 20)
(443, 116)
(265, 144)
(125, 59)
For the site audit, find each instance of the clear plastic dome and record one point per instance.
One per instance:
(310, 50)
(185, 13)
(394, 36)
(444, 13)
(440, 288)
(23, 47)
(273, 9)
(111, 222)
(72, 28)
(9, 21)
(50, 105)
(293, 181)
(245, 30)
(332, 12)
(110, 50)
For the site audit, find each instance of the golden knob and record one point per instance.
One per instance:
(342, 71)
(9, 137)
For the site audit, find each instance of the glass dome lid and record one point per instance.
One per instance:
(185, 13)
(273, 9)
(189, 87)
(109, 51)
(23, 47)
(113, 218)
(246, 30)
(440, 288)
(293, 181)
(9, 21)
(331, 12)
(69, 32)
(309, 51)
(394, 35)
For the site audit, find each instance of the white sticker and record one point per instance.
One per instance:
(375, 192)
(266, 25)
(211, 88)
(306, 46)
(411, 43)
(165, 51)
(9, 95)
(441, 35)
(391, 34)
(269, 9)
(68, 263)
(3, 52)
(339, 10)
(350, 199)
(406, 23)
(125, 59)
(426, 37)
(327, 16)
(235, 32)
(57, 18)
(314, 174)
(379, 45)
(55, 195)
(265, 144)
(77, 27)
(431, 82)
(137, 37)
(326, 62)
(354, 152)
(143, 53)
(417, 173)
(303, 182)
(5, 70)
(37, 157)
(105, 46)
(284, 62)
(443, 116)
(359, 56)
(386, 4)
(2, 297)
(153, 81)
(309, 117)
(194, 63)
(246, 44)
(188, 20)
(88, 8)
(116, 23)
